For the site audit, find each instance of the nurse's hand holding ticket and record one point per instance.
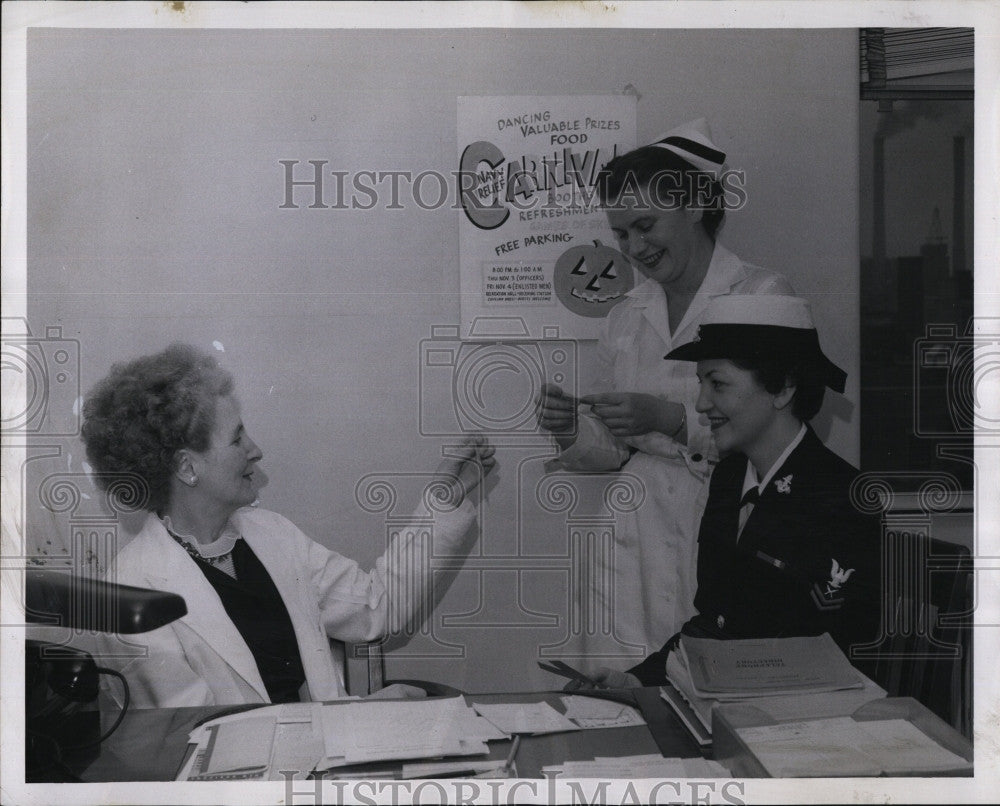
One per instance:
(557, 413)
(630, 414)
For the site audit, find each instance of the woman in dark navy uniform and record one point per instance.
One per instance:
(782, 551)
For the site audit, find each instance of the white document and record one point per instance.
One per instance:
(263, 743)
(255, 744)
(844, 747)
(593, 712)
(242, 746)
(819, 705)
(298, 748)
(901, 746)
(825, 748)
(532, 717)
(471, 725)
(371, 730)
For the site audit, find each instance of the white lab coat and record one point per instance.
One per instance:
(650, 589)
(201, 659)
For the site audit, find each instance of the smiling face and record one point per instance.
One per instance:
(660, 240)
(743, 415)
(225, 471)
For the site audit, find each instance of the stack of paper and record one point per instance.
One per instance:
(648, 766)
(262, 743)
(254, 745)
(763, 667)
(804, 676)
(374, 730)
(842, 746)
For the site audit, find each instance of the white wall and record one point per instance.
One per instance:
(153, 215)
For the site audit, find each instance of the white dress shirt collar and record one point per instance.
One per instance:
(750, 479)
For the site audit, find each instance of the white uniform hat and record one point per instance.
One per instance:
(692, 142)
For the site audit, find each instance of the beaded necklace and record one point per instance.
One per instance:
(194, 552)
(222, 547)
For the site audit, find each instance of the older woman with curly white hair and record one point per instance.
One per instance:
(263, 598)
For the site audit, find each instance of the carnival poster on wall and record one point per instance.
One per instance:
(537, 256)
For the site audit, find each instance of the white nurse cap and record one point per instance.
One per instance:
(692, 142)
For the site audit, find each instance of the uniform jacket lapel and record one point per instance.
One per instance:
(775, 507)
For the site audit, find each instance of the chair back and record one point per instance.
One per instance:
(926, 648)
(365, 673)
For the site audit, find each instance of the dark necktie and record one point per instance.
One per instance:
(750, 497)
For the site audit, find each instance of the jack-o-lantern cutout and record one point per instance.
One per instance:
(591, 280)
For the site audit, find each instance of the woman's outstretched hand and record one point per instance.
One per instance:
(459, 474)
(605, 678)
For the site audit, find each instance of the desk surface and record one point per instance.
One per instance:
(150, 744)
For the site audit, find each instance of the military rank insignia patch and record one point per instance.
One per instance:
(828, 595)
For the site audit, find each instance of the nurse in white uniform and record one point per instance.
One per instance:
(665, 204)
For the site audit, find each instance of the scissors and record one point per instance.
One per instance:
(565, 670)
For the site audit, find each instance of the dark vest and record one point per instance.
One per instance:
(256, 608)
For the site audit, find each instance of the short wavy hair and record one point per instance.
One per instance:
(775, 372)
(144, 411)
